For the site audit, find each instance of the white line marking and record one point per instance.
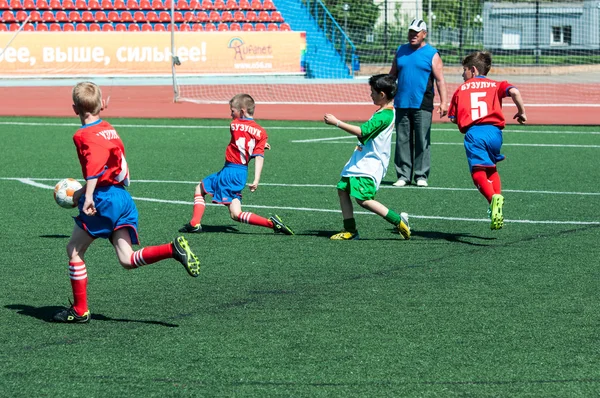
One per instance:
(30, 181)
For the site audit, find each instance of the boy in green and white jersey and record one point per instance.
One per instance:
(366, 168)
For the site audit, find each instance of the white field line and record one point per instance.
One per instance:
(30, 181)
(336, 141)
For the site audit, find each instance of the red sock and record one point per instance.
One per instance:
(151, 254)
(483, 184)
(199, 206)
(253, 219)
(79, 279)
(494, 177)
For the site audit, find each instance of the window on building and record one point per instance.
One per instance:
(561, 36)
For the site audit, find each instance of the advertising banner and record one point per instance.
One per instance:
(149, 53)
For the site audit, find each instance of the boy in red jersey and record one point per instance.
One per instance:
(476, 108)
(248, 141)
(106, 210)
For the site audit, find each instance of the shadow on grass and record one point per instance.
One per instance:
(218, 228)
(55, 236)
(46, 313)
(454, 238)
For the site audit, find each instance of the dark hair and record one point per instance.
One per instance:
(384, 83)
(482, 60)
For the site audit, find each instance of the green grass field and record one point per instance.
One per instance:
(458, 310)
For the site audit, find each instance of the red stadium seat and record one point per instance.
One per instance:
(182, 5)
(68, 4)
(55, 5)
(42, 5)
(133, 5)
(35, 16)
(272, 27)
(119, 5)
(126, 16)
(68, 27)
(251, 16)
(133, 27)
(95, 27)
(61, 16)
(158, 5)
(14, 26)
(29, 28)
(207, 5)
(256, 5)
(197, 27)
(81, 4)
(100, 16)
(285, 27)
(245, 5)
(8, 16)
(226, 16)
(210, 27)
(107, 5)
(276, 17)
(94, 5)
(268, 5)
(185, 28)
(41, 27)
(214, 16)
(15, 5)
(189, 17)
(120, 27)
(232, 5)
(74, 16)
(239, 16)
(113, 16)
(107, 27)
(219, 5)
(29, 5)
(3, 6)
(145, 5)
(202, 16)
(21, 15)
(164, 16)
(81, 27)
(264, 16)
(247, 27)
(3, 27)
(87, 16)
(178, 16)
(152, 16)
(222, 27)
(139, 16)
(167, 4)
(54, 27)
(146, 27)
(195, 5)
(159, 27)
(235, 27)
(260, 27)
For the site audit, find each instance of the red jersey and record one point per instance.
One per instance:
(248, 140)
(101, 154)
(479, 101)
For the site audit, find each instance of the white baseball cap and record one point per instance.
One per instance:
(418, 25)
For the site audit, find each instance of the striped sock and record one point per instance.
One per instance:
(199, 206)
(151, 254)
(253, 219)
(79, 279)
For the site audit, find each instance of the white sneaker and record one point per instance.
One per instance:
(400, 183)
(422, 183)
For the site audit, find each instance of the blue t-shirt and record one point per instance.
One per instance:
(415, 77)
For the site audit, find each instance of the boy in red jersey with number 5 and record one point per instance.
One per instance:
(476, 108)
(248, 141)
(106, 209)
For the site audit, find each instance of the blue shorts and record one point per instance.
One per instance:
(115, 210)
(482, 144)
(227, 184)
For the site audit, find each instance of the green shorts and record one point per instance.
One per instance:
(362, 188)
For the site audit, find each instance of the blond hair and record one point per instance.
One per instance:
(87, 98)
(243, 101)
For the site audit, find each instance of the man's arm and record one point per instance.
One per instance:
(438, 74)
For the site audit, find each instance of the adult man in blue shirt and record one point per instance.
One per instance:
(416, 65)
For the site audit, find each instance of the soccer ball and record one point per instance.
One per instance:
(64, 190)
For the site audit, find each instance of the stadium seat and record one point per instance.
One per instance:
(197, 27)
(133, 5)
(126, 16)
(152, 16)
(29, 28)
(113, 16)
(145, 5)
(164, 16)
(119, 5)
(235, 27)
(263, 16)
(68, 4)
(247, 27)
(3, 27)
(61, 16)
(202, 16)
(21, 15)
(214, 16)
(219, 5)
(54, 27)
(210, 27)
(207, 5)
(182, 5)
(8, 16)
(42, 5)
(120, 27)
(195, 5)
(81, 5)
(251, 16)
(260, 27)
(94, 27)
(107, 5)
(232, 5)
(146, 27)
(55, 5)
(268, 5)
(178, 16)
(15, 5)
(29, 5)
(285, 27)
(226, 16)
(272, 27)
(14, 26)
(256, 5)
(133, 27)
(4, 5)
(94, 5)
(159, 27)
(41, 27)
(222, 27)
(35, 16)
(139, 16)
(276, 17)
(81, 27)
(74, 16)
(100, 16)
(245, 5)
(167, 4)
(185, 27)
(107, 27)
(87, 16)
(68, 27)
(158, 5)
(189, 17)
(239, 16)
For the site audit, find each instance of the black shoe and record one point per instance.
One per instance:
(189, 228)
(68, 315)
(280, 227)
(183, 254)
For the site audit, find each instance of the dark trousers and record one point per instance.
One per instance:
(413, 144)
